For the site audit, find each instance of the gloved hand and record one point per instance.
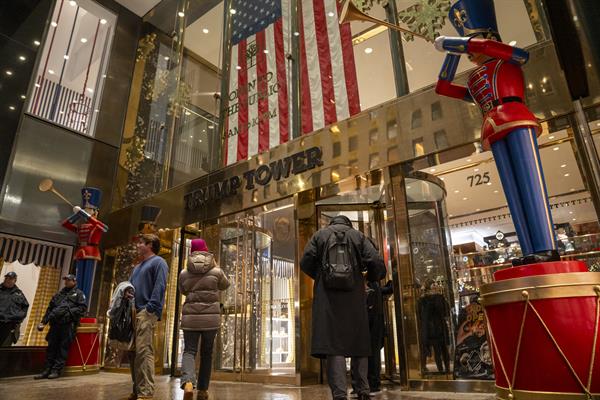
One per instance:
(76, 209)
(40, 327)
(439, 43)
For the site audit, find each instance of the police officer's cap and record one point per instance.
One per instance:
(69, 277)
(11, 274)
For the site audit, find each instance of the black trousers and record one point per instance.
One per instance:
(5, 331)
(376, 327)
(59, 338)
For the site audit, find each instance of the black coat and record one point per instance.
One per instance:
(66, 307)
(13, 304)
(340, 325)
(433, 311)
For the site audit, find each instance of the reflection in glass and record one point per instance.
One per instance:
(71, 72)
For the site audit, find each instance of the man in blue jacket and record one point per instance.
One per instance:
(149, 278)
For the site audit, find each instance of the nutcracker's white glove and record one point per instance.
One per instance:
(439, 43)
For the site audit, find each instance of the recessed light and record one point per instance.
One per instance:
(73, 3)
(181, 14)
(205, 30)
(551, 137)
(83, 40)
(489, 183)
(191, 136)
(11, 108)
(37, 85)
(188, 113)
(103, 21)
(166, 58)
(200, 140)
(368, 50)
(51, 71)
(210, 126)
(432, 170)
(53, 24)
(456, 191)
(96, 110)
(465, 198)
(572, 189)
(238, 67)
(476, 170)
(22, 58)
(296, 33)
(266, 51)
(468, 160)
(23, 97)
(574, 219)
(232, 11)
(478, 209)
(408, 187)
(495, 191)
(556, 148)
(8, 72)
(90, 90)
(563, 165)
(66, 57)
(567, 174)
(36, 42)
(62, 112)
(331, 14)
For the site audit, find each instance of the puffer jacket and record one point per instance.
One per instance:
(200, 283)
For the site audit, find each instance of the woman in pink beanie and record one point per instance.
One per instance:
(201, 316)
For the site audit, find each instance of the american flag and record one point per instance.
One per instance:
(258, 114)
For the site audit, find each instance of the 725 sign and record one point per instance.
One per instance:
(479, 179)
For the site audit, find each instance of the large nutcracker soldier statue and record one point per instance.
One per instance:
(543, 314)
(89, 230)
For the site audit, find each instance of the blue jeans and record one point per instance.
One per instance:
(188, 364)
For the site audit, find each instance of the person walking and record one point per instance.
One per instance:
(149, 279)
(335, 258)
(201, 316)
(13, 309)
(63, 314)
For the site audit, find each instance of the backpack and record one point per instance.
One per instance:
(338, 262)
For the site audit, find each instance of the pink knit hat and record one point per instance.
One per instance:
(199, 245)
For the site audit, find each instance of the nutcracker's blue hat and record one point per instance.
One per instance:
(91, 197)
(474, 18)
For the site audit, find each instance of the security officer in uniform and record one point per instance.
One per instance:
(13, 309)
(63, 314)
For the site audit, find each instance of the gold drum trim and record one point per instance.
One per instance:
(72, 370)
(552, 286)
(504, 394)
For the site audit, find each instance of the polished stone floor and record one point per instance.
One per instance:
(108, 386)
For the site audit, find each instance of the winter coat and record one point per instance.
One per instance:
(200, 283)
(13, 304)
(340, 325)
(66, 307)
(432, 310)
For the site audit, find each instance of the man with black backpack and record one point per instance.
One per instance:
(335, 258)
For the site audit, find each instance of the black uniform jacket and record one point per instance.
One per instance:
(340, 325)
(13, 304)
(67, 306)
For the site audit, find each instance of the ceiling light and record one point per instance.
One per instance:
(566, 174)
(574, 219)
(191, 136)
(53, 24)
(66, 57)
(564, 165)
(166, 58)
(188, 113)
(83, 40)
(550, 137)
(22, 58)
(442, 178)
(556, 148)
(489, 183)
(232, 11)
(456, 191)
(73, 3)
(544, 79)
(90, 90)
(238, 67)
(478, 209)
(476, 170)
(211, 126)
(465, 198)
(266, 51)
(330, 14)
(36, 42)
(296, 33)
(468, 160)
(368, 50)
(408, 187)
(450, 215)
(199, 140)
(23, 97)
(11, 108)
(205, 30)
(495, 191)
(51, 71)
(103, 21)
(530, 86)
(37, 85)
(572, 189)
(96, 110)
(8, 72)
(432, 170)
(181, 14)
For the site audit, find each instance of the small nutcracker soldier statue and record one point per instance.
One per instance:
(509, 128)
(89, 231)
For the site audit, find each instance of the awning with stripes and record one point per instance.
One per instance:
(29, 251)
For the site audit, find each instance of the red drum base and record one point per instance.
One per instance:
(84, 353)
(543, 322)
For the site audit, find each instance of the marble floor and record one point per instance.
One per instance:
(109, 386)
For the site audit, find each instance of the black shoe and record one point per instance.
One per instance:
(43, 375)
(53, 375)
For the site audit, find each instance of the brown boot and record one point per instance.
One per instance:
(188, 391)
(202, 395)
